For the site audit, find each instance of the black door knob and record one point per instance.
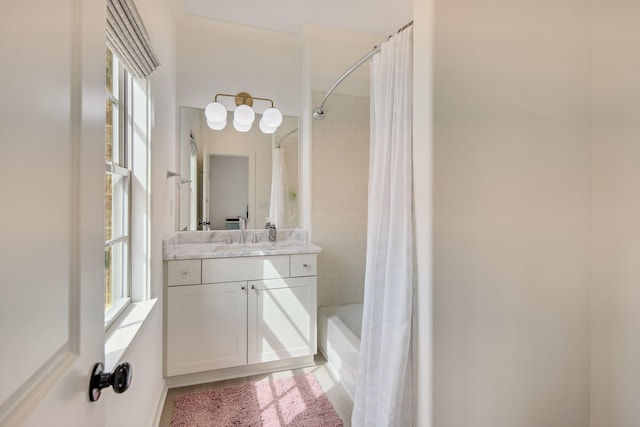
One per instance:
(119, 379)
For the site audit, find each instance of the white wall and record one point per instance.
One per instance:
(215, 57)
(615, 294)
(422, 202)
(339, 197)
(332, 52)
(138, 406)
(511, 213)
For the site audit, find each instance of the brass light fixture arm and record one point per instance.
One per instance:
(243, 98)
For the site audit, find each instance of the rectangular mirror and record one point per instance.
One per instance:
(226, 174)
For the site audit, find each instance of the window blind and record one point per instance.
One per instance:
(128, 39)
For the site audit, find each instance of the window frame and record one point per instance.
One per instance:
(120, 165)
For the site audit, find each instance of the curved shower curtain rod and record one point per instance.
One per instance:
(318, 113)
(286, 135)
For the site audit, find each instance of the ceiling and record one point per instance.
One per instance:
(379, 17)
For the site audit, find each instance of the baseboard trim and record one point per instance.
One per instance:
(238, 372)
(160, 407)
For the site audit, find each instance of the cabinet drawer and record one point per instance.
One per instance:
(303, 265)
(217, 270)
(184, 272)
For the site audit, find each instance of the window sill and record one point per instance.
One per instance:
(114, 313)
(122, 333)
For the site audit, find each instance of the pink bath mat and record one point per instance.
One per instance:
(293, 401)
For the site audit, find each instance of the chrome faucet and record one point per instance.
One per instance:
(243, 226)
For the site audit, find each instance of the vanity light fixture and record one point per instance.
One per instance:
(243, 115)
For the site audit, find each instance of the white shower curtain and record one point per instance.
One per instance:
(384, 388)
(279, 205)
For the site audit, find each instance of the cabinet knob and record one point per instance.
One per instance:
(242, 287)
(253, 286)
(184, 273)
(305, 265)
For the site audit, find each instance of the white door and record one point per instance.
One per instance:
(229, 184)
(221, 198)
(51, 219)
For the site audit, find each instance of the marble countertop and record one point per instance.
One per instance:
(199, 245)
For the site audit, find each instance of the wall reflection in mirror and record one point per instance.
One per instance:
(226, 174)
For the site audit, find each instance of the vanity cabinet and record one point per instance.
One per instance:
(241, 311)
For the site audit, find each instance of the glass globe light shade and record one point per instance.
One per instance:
(266, 129)
(244, 115)
(240, 127)
(272, 117)
(217, 125)
(215, 112)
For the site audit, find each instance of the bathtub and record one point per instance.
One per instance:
(339, 342)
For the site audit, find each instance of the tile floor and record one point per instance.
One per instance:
(334, 391)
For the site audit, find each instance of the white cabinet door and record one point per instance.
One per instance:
(206, 327)
(282, 319)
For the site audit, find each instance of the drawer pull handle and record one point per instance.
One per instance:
(305, 265)
(253, 286)
(184, 273)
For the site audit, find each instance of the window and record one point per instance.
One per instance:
(117, 251)
(130, 62)
(126, 241)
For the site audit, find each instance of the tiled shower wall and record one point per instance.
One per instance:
(339, 197)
